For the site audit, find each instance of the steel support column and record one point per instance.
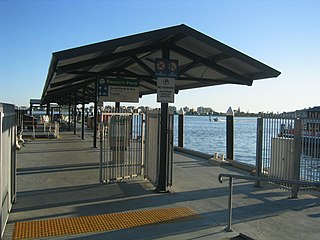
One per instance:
(82, 120)
(51, 113)
(162, 183)
(48, 109)
(69, 118)
(30, 110)
(75, 117)
(95, 119)
(117, 107)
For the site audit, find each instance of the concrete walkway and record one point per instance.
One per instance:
(59, 179)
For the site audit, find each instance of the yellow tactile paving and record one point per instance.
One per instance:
(100, 223)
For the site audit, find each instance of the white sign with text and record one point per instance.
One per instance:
(165, 89)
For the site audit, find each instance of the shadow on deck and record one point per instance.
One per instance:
(59, 179)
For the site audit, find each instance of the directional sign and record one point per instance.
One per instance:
(165, 90)
(118, 90)
(102, 87)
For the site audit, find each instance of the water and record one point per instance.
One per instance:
(209, 137)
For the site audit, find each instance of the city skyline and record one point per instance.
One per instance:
(284, 35)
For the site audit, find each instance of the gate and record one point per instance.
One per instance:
(121, 146)
(152, 148)
(288, 148)
(8, 164)
(310, 150)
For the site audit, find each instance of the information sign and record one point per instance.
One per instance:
(118, 90)
(166, 71)
(165, 89)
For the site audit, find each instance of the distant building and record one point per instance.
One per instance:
(200, 110)
(204, 110)
(186, 109)
(313, 112)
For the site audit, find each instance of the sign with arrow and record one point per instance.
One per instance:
(118, 90)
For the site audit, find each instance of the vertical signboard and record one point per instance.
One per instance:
(166, 71)
(165, 89)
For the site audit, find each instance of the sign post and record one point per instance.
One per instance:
(166, 71)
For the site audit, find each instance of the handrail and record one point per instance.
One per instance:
(296, 183)
(264, 179)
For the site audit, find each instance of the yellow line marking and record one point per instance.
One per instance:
(100, 223)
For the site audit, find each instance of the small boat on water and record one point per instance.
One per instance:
(213, 119)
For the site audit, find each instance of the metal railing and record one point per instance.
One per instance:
(288, 148)
(260, 179)
(310, 150)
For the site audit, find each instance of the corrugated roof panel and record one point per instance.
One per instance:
(200, 48)
(239, 66)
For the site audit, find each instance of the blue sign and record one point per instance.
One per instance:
(118, 89)
(166, 68)
(102, 87)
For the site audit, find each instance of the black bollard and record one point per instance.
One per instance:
(180, 129)
(230, 135)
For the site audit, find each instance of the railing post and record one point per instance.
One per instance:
(296, 156)
(229, 229)
(259, 150)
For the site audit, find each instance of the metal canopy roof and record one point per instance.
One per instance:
(203, 61)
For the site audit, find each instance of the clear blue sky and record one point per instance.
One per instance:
(283, 34)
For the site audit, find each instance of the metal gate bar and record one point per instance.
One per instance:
(121, 140)
(290, 148)
(310, 160)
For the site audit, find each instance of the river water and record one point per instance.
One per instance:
(209, 137)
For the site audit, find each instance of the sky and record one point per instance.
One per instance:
(282, 34)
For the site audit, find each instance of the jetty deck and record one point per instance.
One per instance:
(59, 179)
